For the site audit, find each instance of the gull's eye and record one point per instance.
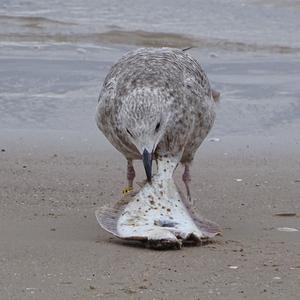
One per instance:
(129, 132)
(157, 127)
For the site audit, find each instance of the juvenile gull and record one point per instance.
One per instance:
(156, 103)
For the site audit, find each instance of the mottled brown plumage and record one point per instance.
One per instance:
(159, 100)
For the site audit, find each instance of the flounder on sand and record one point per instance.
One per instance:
(158, 214)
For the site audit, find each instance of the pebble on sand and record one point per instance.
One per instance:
(287, 229)
(285, 214)
(233, 267)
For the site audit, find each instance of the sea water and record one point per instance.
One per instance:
(54, 56)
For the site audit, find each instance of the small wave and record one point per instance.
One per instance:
(161, 39)
(31, 21)
(147, 39)
(279, 3)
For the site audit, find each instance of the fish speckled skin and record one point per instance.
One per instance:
(149, 88)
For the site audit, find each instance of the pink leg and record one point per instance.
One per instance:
(130, 173)
(186, 177)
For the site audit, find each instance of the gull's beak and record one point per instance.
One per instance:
(147, 160)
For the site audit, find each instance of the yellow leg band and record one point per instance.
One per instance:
(127, 189)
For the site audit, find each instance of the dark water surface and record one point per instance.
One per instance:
(55, 55)
(251, 22)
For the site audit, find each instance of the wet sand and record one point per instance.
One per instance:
(52, 247)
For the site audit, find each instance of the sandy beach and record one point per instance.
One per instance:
(52, 247)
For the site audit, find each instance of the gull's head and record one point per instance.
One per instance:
(143, 120)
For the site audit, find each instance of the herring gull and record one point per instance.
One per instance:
(156, 103)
